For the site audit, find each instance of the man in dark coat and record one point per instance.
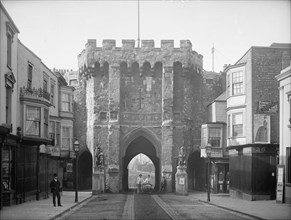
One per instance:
(55, 189)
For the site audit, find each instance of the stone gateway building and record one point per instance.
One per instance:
(141, 100)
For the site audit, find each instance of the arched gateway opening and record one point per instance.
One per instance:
(85, 171)
(140, 143)
(195, 170)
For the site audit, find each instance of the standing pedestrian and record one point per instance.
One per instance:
(55, 190)
(138, 183)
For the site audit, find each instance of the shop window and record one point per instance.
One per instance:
(32, 122)
(6, 168)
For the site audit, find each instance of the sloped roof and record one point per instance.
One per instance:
(221, 98)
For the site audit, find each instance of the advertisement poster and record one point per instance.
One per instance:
(262, 128)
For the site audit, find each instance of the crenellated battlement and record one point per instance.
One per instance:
(130, 44)
(93, 56)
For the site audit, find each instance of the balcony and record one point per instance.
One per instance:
(35, 95)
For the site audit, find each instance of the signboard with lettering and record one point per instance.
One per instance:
(280, 184)
(215, 152)
(182, 181)
(267, 107)
(53, 151)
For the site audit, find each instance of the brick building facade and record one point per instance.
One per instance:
(253, 120)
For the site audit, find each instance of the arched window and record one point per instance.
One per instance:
(146, 69)
(96, 68)
(135, 68)
(158, 69)
(105, 69)
(123, 68)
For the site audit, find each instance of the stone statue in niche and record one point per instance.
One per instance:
(181, 157)
(99, 157)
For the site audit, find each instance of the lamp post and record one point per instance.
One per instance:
(208, 155)
(76, 149)
(101, 157)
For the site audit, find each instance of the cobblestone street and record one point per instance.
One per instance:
(145, 206)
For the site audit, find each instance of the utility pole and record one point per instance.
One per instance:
(212, 51)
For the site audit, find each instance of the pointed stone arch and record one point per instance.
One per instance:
(140, 140)
(85, 169)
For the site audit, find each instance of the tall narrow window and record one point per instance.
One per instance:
(66, 139)
(29, 76)
(214, 137)
(237, 83)
(52, 93)
(46, 123)
(65, 102)
(58, 134)
(8, 104)
(228, 85)
(237, 125)
(203, 137)
(45, 85)
(32, 123)
(228, 126)
(52, 130)
(9, 50)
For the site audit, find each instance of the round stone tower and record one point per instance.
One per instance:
(141, 100)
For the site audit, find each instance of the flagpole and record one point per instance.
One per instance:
(138, 37)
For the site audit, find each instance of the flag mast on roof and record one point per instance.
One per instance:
(138, 34)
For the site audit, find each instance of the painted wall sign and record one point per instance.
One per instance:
(262, 128)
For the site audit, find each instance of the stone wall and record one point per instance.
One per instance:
(160, 89)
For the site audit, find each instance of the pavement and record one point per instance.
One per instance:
(43, 209)
(263, 209)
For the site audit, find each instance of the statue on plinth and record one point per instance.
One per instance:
(99, 158)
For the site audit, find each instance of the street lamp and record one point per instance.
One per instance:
(208, 155)
(76, 149)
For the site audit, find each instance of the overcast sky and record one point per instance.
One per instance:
(57, 31)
